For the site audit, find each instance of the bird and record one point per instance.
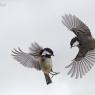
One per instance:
(38, 58)
(84, 41)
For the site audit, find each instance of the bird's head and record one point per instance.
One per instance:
(47, 52)
(74, 42)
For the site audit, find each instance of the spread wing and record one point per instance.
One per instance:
(28, 59)
(35, 49)
(76, 25)
(81, 67)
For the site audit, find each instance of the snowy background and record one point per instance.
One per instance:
(25, 21)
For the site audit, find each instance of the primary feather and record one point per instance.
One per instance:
(74, 24)
(28, 59)
(81, 67)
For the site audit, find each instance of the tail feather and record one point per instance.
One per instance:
(48, 79)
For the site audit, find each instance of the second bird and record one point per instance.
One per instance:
(85, 58)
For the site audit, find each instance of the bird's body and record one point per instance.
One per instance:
(46, 65)
(85, 58)
(39, 58)
(84, 47)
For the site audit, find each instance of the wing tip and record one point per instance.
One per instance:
(81, 69)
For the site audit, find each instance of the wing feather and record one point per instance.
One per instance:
(25, 59)
(74, 70)
(35, 49)
(76, 25)
(79, 68)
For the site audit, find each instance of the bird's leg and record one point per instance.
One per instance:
(53, 73)
(52, 76)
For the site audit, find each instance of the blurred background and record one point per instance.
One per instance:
(25, 21)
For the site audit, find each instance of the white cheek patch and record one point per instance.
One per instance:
(45, 52)
(76, 44)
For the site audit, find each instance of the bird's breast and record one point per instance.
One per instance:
(46, 65)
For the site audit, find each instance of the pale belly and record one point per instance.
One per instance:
(46, 66)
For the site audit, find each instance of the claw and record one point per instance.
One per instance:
(54, 73)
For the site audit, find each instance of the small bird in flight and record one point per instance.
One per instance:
(85, 58)
(39, 58)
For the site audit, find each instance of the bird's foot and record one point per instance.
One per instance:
(54, 73)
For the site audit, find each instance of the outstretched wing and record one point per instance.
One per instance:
(76, 25)
(81, 67)
(26, 59)
(35, 49)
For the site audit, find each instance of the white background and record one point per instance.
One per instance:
(25, 21)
